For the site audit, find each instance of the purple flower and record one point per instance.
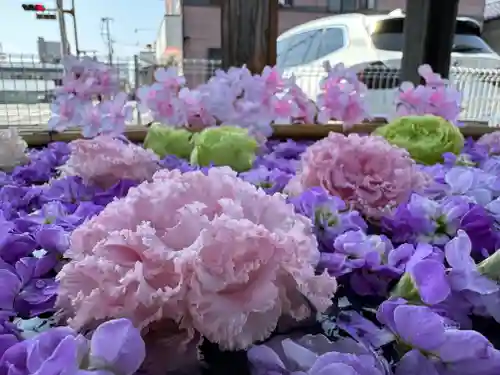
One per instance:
(425, 275)
(171, 162)
(14, 246)
(363, 258)
(9, 334)
(52, 238)
(434, 346)
(426, 220)
(26, 288)
(116, 347)
(471, 182)
(329, 215)
(271, 161)
(69, 190)
(314, 355)
(118, 190)
(464, 274)
(16, 200)
(479, 226)
(289, 149)
(33, 173)
(361, 250)
(66, 216)
(43, 164)
(271, 180)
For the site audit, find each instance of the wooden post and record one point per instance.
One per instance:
(429, 30)
(414, 39)
(440, 32)
(249, 29)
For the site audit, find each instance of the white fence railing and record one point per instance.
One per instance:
(25, 88)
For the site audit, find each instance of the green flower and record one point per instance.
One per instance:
(224, 145)
(406, 288)
(426, 138)
(490, 267)
(164, 140)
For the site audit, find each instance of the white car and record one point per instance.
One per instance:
(372, 45)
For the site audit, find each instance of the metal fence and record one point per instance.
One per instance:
(26, 84)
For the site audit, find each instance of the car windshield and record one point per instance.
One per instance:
(388, 35)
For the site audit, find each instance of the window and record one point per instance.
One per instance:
(332, 40)
(388, 35)
(309, 46)
(214, 54)
(350, 6)
(313, 52)
(285, 3)
(296, 49)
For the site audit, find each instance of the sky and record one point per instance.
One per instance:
(132, 27)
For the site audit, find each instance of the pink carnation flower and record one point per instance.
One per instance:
(209, 251)
(365, 171)
(105, 160)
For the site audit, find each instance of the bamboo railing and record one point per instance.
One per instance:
(39, 138)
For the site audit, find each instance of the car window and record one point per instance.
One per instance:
(296, 50)
(332, 39)
(281, 46)
(388, 35)
(313, 50)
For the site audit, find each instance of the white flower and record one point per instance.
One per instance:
(12, 149)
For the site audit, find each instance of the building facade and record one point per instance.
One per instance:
(201, 18)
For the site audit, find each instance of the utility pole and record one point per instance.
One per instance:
(62, 28)
(429, 29)
(106, 34)
(249, 29)
(75, 29)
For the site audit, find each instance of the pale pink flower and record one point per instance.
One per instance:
(90, 99)
(105, 160)
(284, 109)
(87, 78)
(196, 111)
(164, 104)
(307, 108)
(367, 172)
(65, 113)
(211, 251)
(437, 97)
(116, 113)
(91, 119)
(342, 97)
(169, 78)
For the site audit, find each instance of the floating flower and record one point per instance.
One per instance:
(426, 138)
(164, 141)
(367, 172)
(105, 160)
(227, 260)
(224, 145)
(12, 149)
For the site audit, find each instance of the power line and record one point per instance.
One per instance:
(106, 35)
